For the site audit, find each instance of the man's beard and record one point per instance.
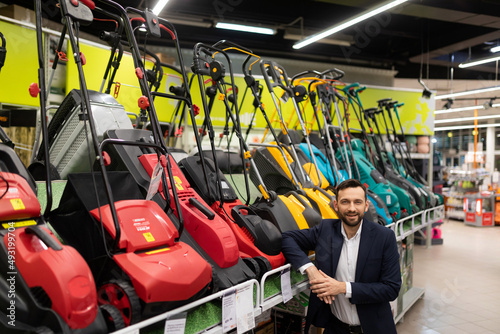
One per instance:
(347, 220)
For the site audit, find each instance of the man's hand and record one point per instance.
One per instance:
(317, 276)
(325, 286)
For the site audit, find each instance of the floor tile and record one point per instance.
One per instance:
(460, 278)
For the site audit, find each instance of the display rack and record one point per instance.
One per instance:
(403, 229)
(267, 292)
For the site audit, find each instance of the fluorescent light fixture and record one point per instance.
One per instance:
(346, 24)
(480, 61)
(464, 119)
(159, 7)
(458, 127)
(467, 92)
(245, 28)
(445, 111)
(297, 37)
(495, 49)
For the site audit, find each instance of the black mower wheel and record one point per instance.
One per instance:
(264, 264)
(121, 295)
(113, 317)
(254, 266)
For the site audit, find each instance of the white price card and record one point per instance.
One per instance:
(244, 309)
(176, 324)
(286, 286)
(134, 331)
(228, 311)
(155, 181)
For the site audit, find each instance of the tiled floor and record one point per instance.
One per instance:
(461, 279)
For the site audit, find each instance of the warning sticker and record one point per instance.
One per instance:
(149, 237)
(17, 204)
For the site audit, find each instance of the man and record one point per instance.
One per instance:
(357, 267)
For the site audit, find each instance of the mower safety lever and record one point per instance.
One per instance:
(300, 74)
(272, 71)
(222, 43)
(353, 85)
(339, 73)
(44, 236)
(384, 101)
(360, 89)
(197, 204)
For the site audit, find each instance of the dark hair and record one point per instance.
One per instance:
(350, 183)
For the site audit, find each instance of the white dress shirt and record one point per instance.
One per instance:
(341, 307)
(346, 270)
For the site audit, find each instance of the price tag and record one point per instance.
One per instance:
(155, 181)
(244, 309)
(228, 311)
(176, 324)
(286, 286)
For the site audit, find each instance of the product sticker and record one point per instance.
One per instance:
(229, 311)
(17, 204)
(141, 224)
(286, 286)
(388, 199)
(12, 193)
(149, 237)
(155, 181)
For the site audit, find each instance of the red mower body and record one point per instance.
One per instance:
(62, 274)
(211, 233)
(19, 201)
(160, 269)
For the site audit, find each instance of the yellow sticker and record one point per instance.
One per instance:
(149, 237)
(17, 204)
(178, 183)
(19, 224)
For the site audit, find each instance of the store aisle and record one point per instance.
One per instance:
(462, 283)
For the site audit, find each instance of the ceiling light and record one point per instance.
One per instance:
(480, 61)
(245, 28)
(495, 49)
(159, 7)
(467, 92)
(297, 36)
(346, 24)
(458, 127)
(445, 111)
(464, 119)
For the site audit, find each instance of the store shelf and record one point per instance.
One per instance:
(409, 298)
(411, 224)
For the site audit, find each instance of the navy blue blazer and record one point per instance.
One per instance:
(377, 278)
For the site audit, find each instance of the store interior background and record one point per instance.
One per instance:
(418, 45)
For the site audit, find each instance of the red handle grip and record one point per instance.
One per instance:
(88, 3)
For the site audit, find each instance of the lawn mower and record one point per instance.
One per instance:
(131, 244)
